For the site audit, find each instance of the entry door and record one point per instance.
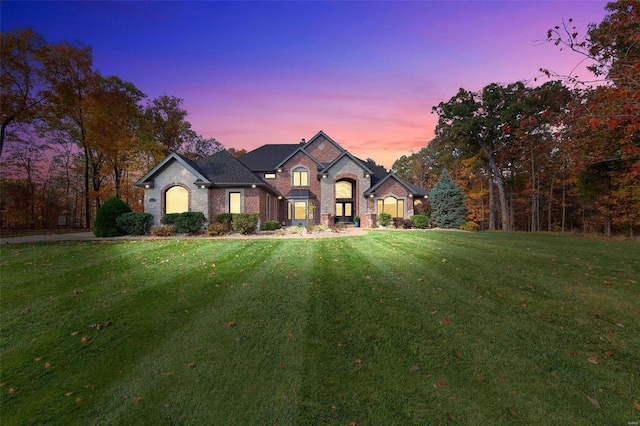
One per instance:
(344, 211)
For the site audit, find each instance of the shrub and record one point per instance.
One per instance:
(185, 223)
(337, 227)
(407, 224)
(163, 231)
(470, 226)
(420, 221)
(398, 222)
(225, 218)
(384, 219)
(320, 228)
(170, 218)
(105, 223)
(271, 225)
(245, 223)
(217, 229)
(134, 223)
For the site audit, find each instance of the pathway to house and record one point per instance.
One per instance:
(82, 236)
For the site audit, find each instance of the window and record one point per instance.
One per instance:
(300, 177)
(344, 189)
(176, 200)
(235, 202)
(391, 205)
(269, 175)
(299, 210)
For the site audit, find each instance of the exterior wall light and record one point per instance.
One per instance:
(253, 186)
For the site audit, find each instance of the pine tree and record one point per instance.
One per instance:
(448, 209)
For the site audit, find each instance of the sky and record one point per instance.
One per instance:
(366, 73)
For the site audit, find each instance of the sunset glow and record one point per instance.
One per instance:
(366, 73)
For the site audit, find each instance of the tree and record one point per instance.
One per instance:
(166, 129)
(114, 126)
(198, 147)
(448, 209)
(71, 79)
(21, 80)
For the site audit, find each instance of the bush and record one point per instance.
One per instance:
(185, 223)
(163, 231)
(170, 218)
(470, 226)
(407, 224)
(420, 221)
(217, 229)
(271, 225)
(245, 223)
(225, 218)
(384, 219)
(105, 223)
(134, 223)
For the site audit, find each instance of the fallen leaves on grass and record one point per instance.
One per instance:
(281, 365)
(594, 360)
(636, 405)
(189, 365)
(229, 323)
(99, 326)
(137, 399)
(358, 361)
(594, 402)
(441, 384)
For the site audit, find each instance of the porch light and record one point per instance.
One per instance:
(366, 175)
(253, 186)
(280, 197)
(200, 184)
(147, 186)
(371, 196)
(410, 195)
(279, 170)
(324, 176)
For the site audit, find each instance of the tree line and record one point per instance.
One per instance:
(71, 137)
(561, 156)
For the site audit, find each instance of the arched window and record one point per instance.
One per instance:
(344, 189)
(392, 205)
(300, 177)
(176, 200)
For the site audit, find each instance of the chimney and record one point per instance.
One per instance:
(302, 142)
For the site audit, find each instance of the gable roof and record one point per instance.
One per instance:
(356, 160)
(302, 150)
(185, 162)
(222, 168)
(411, 188)
(267, 157)
(327, 137)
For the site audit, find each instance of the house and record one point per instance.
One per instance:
(311, 182)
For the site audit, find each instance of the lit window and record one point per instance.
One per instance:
(299, 210)
(176, 200)
(344, 189)
(269, 175)
(300, 177)
(234, 202)
(392, 206)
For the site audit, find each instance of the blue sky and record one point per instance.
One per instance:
(367, 73)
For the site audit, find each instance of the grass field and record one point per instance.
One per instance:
(389, 328)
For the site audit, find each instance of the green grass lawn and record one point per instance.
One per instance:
(389, 328)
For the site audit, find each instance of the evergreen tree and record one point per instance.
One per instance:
(448, 209)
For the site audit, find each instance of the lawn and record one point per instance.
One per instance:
(388, 328)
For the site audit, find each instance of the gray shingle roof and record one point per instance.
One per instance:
(223, 168)
(267, 157)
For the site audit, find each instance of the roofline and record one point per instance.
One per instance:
(146, 179)
(301, 149)
(355, 159)
(402, 182)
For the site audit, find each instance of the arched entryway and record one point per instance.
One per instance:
(345, 190)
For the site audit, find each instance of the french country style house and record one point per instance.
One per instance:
(310, 182)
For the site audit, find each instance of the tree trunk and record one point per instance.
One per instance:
(492, 202)
(501, 194)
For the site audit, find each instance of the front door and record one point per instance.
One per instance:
(344, 211)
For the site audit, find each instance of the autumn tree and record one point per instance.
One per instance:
(71, 79)
(115, 119)
(166, 128)
(21, 80)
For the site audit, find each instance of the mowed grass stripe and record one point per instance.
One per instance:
(229, 351)
(388, 328)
